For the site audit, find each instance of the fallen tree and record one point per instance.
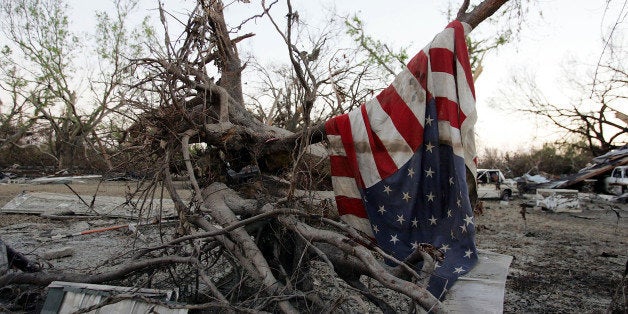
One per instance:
(265, 246)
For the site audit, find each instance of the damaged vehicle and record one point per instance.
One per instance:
(617, 183)
(493, 184)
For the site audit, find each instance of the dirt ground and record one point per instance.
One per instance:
(563, 262)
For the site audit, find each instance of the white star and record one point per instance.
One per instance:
(429, 173)
(459, 270)
(468, 253)
(468, 219)
(464, 228)
(436, 265)
(453, 236)
(411, 172)
(451, 180)
(387, 189)
(449, 213)
(459, 202)
(406, 196)
(381, 209)
(394, 239)
(415, 245)
(429, 146)
(415, 222)
(430, 197)
(432, 220)
(375, 228)
(428, 120)
(444, 248)
(400, 219)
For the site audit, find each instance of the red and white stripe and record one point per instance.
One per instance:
(372, 142)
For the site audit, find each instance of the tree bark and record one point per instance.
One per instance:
(228, 61)
(245, 141)
(45, 278)
(480, 13)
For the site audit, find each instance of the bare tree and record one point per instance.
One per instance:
(15, 123)
(589, 121)
(42, 75)
(346, 73)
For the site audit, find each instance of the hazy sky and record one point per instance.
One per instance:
(568, 30)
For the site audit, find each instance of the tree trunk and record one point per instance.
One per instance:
(229, 61)
(214, 114)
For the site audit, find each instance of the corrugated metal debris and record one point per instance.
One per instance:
(69, 297)
(602, 164)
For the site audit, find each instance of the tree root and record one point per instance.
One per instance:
(45, 278)
(281, 271)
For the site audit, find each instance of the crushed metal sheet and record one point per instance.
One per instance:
(108, 206)
(482, 289)
(612, 155)
(605, 163)
(535, 178)
(64, 180)
(559, 200)
(70, 297)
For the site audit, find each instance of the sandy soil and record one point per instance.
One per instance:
(563, 262)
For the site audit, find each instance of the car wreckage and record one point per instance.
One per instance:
(493, 184)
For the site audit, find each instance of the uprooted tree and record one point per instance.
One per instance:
(262, 247)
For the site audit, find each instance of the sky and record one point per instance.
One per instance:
(567, 30)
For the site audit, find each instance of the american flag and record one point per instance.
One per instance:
(398, 161)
